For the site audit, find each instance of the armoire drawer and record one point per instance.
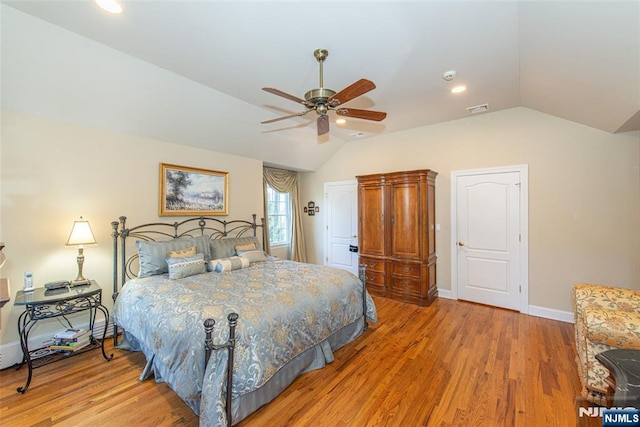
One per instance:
(373, 265)
(405, 285)
(403, 269)
(375, 278)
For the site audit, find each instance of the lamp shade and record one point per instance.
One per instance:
(81, 234)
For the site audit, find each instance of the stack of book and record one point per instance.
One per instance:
(71, 340)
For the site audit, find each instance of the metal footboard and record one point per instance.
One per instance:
(209, 346)
(362, 269)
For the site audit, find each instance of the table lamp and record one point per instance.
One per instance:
(81, 236)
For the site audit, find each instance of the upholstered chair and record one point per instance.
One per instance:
(605, 318)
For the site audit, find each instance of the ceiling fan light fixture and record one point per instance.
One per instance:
(340, 121)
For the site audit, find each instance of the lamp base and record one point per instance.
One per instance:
(79, 282)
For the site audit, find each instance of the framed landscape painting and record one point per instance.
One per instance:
(191, 191)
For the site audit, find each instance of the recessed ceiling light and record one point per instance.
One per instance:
(111, 6)
(458, 89)
(340, 121)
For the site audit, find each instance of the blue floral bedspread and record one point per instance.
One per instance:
(284, 308)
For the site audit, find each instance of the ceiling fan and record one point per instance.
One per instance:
(323, 100)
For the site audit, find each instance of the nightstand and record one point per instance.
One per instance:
(41, 304)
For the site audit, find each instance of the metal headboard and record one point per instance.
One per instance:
(213, 228)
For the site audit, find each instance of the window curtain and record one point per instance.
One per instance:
(285, 181)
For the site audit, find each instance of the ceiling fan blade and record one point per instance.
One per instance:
(323, 125)
(354, 90)
(361, 114)
(284, 95)
(302, 113)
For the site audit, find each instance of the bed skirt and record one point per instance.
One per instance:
(313, 358)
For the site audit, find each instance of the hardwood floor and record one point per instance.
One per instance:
(450, 364)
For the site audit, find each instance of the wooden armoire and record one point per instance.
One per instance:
(396, 228)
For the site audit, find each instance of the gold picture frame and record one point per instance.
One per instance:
(187, 191)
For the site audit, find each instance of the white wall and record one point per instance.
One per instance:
(584, 192)
(51, 173)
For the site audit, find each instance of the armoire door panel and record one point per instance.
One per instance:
(372, 217)
(405, 219)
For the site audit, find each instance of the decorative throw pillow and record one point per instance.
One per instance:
(182, 253)
(248, 247)
(186, 266)
(226, 247)
(152, 255)
(253, 256)
(229, 264)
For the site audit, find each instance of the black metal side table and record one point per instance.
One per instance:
(42, 304)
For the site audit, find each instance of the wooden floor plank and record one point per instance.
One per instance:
(451, 364)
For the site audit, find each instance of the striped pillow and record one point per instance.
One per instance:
(229, 264)
(225, 248)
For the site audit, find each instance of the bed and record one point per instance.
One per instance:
(232, 336)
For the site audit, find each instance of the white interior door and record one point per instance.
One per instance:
(488, 245)
(341, 201)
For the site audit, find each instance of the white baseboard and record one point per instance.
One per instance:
(534, 310)
(11, 353)
(551, 313)
(445, 293)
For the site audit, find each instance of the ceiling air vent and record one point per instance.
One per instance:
(478, 109)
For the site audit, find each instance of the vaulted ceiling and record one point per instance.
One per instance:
(191, 72)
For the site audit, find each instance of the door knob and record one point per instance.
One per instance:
(460, 244)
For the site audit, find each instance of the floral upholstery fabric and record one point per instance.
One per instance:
(605, 318)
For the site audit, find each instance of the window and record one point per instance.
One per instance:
(279, 217)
